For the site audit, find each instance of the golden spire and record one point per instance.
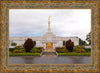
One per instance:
(49, 18)
(49, 29)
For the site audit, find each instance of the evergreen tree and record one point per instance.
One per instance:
(28, 45)
(88, 38)
(69, 45)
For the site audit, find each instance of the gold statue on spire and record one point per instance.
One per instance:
(49, 29)
(49, 18)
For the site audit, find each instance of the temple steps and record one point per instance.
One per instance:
(49, 54)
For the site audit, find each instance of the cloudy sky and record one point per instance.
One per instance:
(64, 22)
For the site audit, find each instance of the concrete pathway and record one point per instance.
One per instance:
(50, 60)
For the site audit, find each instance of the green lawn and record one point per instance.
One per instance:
(59, 54)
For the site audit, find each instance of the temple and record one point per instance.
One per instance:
(48, 40)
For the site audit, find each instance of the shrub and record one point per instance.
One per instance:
(88, 50)
(28, 45)
(24, 54)
(15, 51)
(38, 47)
(11, 49)
(19, 49)
(74, 54)
(33, 50)
(69, 45)
(39, 51)
(60, 47)
(36, 50)
(61, 50)
(80, 46)
(13, 44)
(83, 51)
(77, 50)
(64, 50)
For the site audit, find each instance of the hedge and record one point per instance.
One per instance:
(74, 54)
(24, 54)
(11, 49)
(88, 50)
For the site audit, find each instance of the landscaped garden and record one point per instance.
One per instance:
(62, 51)
(71, 50)
(20, 51)
(29, 49)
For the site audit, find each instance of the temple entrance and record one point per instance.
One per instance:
(49, 45)
(49, 51)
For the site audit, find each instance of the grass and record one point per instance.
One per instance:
(24, 54)
(59, 54)
(74, 54)
(88, 53)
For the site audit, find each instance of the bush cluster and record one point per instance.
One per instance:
(80, 46)
(24, 54)
(74, 54)
(19, 49)
(38, 47)
(61, 50)
(60, 47)
(11, 49)
(36, 50)
(79, 49)
(13, 44)
(88, 50)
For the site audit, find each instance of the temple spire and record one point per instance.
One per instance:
(49, 33)
(49, 29)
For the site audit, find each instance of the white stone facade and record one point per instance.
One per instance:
(41, 41)
(49, 37)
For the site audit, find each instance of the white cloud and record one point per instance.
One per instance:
(64, 22)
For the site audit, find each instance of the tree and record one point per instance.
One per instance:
(81, 42)
(88, 38)
(13, 44)
(28, 45)
(69, 45)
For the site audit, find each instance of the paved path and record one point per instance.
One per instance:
(50, 60)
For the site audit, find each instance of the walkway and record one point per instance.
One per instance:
(50, 60)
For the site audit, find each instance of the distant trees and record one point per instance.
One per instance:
(88, 38)
(69, 45)
(81, 42)
(13, 44)
(29, 44)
